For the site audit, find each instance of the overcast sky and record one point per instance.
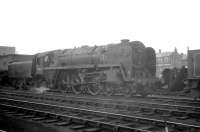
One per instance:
(42, 25)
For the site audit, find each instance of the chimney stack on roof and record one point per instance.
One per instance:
(175, 50)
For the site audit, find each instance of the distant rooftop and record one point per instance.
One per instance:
(6, 50)
(7, 47)
(164, 54)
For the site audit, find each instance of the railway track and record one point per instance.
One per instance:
(89, 120)
(163, 98)
(174, 113)
(153, 98)
(156, 104)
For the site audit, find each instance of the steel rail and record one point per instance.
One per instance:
(141, 104)
(111, 114)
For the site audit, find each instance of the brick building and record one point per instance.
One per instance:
(169, 60)
(5, 50)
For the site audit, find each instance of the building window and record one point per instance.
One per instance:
(166, 60)
(160, 60)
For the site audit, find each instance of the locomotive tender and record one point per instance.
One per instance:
(5, 61)
(114, 69)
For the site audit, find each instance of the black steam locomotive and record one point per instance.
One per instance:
(123, 69)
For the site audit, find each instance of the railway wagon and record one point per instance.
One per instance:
(194, 72)
(113, 69)
(5, 60)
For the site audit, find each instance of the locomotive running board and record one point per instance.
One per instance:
(82, 67)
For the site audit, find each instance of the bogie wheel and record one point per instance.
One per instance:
(25, 86)
(43, 84)
(94, 89)
(76, 89)
(127, 91)
(141, 91)
(19, 85)
(108, 89)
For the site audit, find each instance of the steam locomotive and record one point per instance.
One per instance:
(123, 69)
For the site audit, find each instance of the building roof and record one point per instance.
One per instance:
(11, 55)
(163, 54)
(6, 47)
(183, 57)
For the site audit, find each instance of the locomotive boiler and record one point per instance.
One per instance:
(113, 69)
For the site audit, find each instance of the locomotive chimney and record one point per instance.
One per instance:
(124, 41)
